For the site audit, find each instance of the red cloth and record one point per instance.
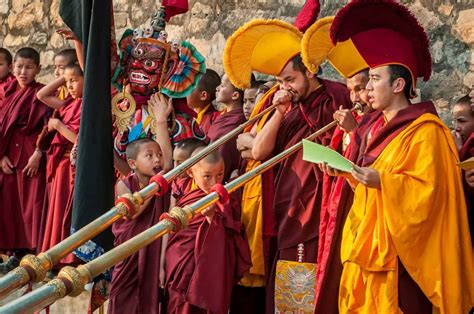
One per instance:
(298, 184)
(208, 118)
(181, 187)
(3, 85)
(174, 7)
(223, 124)
(22, 118)
(61, 181)
(135, 280)
(205, 260)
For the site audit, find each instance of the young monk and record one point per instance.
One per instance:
(232, 100)
(5, 71)
(135, 280)
(61, 60)
(22, 118)
(250, 97)
(204, 260)
(200, 100)
(64, 126)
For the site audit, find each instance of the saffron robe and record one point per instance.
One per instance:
(206, 117)
(336, 203)
(223, 124)
(205, 260)
(298, 184)
(60, 180)
(135, 280)
(22, 118)
(417, 218)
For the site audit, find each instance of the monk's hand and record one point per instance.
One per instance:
(367, 176)
(457, 139)
(7, 166)
(469, 176)
(32, 166)
(53, 124)
(282, 98)
(327, 169)
(161, 107)
(345, 119)
(209, 213)
(66, 33)
(243, 140)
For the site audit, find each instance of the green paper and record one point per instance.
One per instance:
(316, 153)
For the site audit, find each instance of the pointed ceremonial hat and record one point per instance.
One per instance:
(382, 32)
(316, 47)
(260, 45)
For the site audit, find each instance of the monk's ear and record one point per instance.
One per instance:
(310, 75)
(203, 96)
(131, 164)
(190, 173)
(398, 85)
(236, 95)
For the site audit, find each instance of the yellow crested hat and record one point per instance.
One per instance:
(317, 46)
(260, 45)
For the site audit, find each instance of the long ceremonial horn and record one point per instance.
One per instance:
(34, 268)
(71, 281)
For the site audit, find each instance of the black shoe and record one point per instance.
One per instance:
(9, 265)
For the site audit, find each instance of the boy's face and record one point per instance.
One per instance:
(25, 71)
(463, 120)
(206, 175)
(148, 161)
(5, 68)
(249, 101)
(74, 83)
(179, 156)
(226, 92)
(60, 63)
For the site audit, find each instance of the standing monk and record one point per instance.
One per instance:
(307, 103)
(22, 180)
(404, 242)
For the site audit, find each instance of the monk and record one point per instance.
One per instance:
(22, 180)
(409, 212)
(232, 116)
(64, 126)
(207, 258)
(5, 71)
(202, 97)
(135, 280)
(307, 103)
(60, 61)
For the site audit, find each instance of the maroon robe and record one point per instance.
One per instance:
(22, 118)
(60, 181)
(205, 260)
(298, 184)
(135, 280)
(181, 187)
(223, 124)
(3, 86)
(208, 118)
(467, 152)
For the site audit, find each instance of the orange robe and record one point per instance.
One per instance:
(418, 217)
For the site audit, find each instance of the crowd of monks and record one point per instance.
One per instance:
(393, 235)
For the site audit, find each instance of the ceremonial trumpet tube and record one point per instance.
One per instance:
(34, 268)
(71, 281)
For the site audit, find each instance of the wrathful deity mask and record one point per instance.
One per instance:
(148, 65)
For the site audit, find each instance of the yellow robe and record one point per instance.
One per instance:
(418, 216)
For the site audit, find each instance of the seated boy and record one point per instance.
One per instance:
(207, 258)
(200, 100)
(135, 280)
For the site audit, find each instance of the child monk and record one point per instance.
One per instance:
(250, 97)
(135, 280)
(5, 71)
(22, 117)
(200, 100)
(232, 116)
(207, 258)
(61, 60)
(64, 127)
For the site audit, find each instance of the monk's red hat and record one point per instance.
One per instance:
(383, 32)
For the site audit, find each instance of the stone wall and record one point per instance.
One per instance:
(209, 22)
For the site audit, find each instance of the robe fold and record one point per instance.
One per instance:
(223, 124)
(135, 280)
(206, 117)
(415, 224)
(205, 260)
(60, 181)
(3, 86)
(298, 184)
(22, 118)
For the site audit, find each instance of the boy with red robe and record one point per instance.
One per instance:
(61, 60)
(207, 258)
(22, 180)
(231, 117)
(135, 280)
(5, 71)
(64, 127)
(200, 100)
